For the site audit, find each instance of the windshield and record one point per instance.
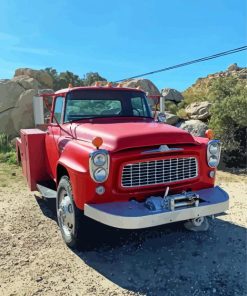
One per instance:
(82, 104)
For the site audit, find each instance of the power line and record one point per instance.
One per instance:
(214, 56)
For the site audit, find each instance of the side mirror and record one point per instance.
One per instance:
(161, 117)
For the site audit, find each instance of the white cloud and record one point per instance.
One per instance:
(10, 39)
(32, 50)
(12, 43)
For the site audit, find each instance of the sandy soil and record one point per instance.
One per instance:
(167, 260)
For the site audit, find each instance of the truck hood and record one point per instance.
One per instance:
(123, 135)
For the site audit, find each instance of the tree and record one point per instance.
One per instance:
(92, 77)
(63, 79)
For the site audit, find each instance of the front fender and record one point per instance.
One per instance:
(75, 159)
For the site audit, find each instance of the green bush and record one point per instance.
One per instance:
(182, 114)
(171, 107)
(7, 150)
(228, 96)
(229, 118)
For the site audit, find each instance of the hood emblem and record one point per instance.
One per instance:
(162, 148)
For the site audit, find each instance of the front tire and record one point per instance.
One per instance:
(68, 215)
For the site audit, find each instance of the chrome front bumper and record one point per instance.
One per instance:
(135, 215)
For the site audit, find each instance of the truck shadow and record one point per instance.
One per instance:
(168, 260)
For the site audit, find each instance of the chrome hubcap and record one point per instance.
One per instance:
(66, 215)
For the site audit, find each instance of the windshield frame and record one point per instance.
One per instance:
(141, 94)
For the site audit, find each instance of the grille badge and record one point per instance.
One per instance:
(162, 148)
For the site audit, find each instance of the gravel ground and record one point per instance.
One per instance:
(165, 260)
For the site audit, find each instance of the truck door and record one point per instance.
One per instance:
(53, 135)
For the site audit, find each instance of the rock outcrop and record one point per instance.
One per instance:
(16, 99)
(171, 94)
(43, 78)
(144, 84)
(194, 126)
(202, 85)
(171, 118)
(198, 110)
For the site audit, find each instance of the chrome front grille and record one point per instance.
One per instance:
(160, 171)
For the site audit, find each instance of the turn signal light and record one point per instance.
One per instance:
(97, 142)
(209, 134)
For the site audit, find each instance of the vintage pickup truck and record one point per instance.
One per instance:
(103, 155)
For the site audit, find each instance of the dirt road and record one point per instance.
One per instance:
(167, 260)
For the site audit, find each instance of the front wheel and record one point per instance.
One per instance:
(68, 214)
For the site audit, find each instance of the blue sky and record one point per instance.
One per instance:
(119, 39)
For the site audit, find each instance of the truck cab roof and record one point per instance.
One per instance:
(101, 88)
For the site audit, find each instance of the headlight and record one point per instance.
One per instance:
(213, 153)
(213, 161)
(214, 148)
(99, 165)
(100, 175)
(99, 159)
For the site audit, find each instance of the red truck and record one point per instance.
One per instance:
(103, 155)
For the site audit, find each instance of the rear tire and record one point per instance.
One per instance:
(68, 215)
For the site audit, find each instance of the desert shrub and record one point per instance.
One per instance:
(194, 96)
(5, 143)
(229, 118)
(181, 105)
(228, 96)
(7, 150)
(171, 107)
(182, 114)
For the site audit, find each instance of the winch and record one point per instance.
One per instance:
(171, 202)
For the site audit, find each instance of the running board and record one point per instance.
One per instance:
(46, 192)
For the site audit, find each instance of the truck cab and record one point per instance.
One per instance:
(102, 155)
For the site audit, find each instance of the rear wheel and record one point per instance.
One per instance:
(68, 215)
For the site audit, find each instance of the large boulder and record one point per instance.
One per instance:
(171, 94)
(43, 78)
(171, 118)
(195, 127)
(16, 103)
(198, 110)
(22, 114)
(233, 67)
(144, 84)
(9, 93)
(26, 82)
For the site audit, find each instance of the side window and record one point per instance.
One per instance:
(138, 106)
(58, 111)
